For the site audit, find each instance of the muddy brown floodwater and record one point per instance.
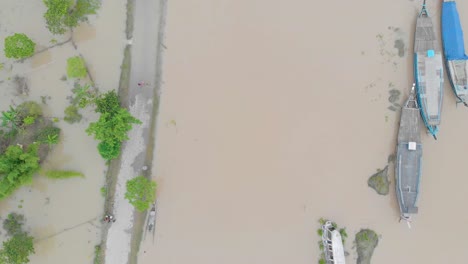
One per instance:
(275, 113)
(62, 215)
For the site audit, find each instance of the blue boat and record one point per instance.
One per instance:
(454, 51)
(428, 72)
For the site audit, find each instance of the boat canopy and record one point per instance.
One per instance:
(452, 34)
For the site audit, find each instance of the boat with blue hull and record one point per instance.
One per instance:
(454, 51)
(428, 72)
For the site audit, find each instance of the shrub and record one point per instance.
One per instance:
(57, 174)
(19, 46)
(46, 133)
(109, 149)
(29, 108)
(72, 115)
(141, 192)
(13, 224)
(108, 103)
(17, 249)
(64, 14)
(76, 67)
(29, 120)
(17, 167)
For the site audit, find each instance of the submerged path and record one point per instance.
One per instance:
(144, 53)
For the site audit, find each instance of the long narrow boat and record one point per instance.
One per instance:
(408, 158)
(428, 72)
(332, 244)
(454, 51)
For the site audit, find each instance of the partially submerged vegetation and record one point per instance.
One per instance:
(26, 138)
(366, 241)
(141, 192)
(76, 67)
(19, 46)
(19, 246)
(343, 234)
(379, 181)
(58, 174)
(62, 15)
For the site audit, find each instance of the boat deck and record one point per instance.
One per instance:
(409, 160)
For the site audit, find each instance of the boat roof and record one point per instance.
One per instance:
(452, 33)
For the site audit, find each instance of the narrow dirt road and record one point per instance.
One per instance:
(143, 69)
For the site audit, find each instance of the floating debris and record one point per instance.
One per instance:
(379, 181)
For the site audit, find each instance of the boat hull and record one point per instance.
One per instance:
(428, 73)
(454, 50)
(408, 161)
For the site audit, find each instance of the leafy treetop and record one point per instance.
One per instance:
(141, 192)
(17, 249)
(17, 166)
(19, 46)
(64, 14)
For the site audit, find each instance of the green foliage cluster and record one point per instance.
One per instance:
(64, 14)
(97, 254)
(141, 192)
(83, 95)
(76, 67)
(48, 135)
(23, 115)
(17, 166)
(13, 224)
(19, 46)
(19, 246)
(58, 174)
(17, 249)
(10, 118)
(72, 115)
(113, 125)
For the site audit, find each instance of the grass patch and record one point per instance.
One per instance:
(57, 174)
(124, 82)
(98, 256)
(130, 18)
(103, 191)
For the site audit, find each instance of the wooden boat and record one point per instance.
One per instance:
(428, 72)
(150, 222)
(332, 244)
(454, 51)
(408, 158)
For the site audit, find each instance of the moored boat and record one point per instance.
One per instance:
(428, 72)
(454, 51)
(332, 244)
(408, 158)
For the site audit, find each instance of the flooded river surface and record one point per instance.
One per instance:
(275, 113)
(62, 215)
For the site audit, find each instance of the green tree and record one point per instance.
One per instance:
(112, 127)
(76, 67)
(64, 14)
(19, 46)
(17, 166)
(17, 249)
(108, 102)
(109, 149)
(141, 192)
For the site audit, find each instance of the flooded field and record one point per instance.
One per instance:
(275, 113)
(63, 215)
